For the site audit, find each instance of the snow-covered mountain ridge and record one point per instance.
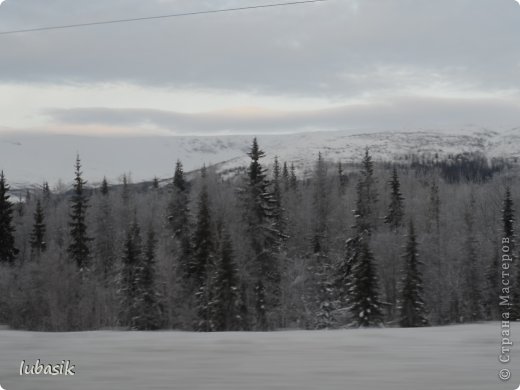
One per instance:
(27, 158)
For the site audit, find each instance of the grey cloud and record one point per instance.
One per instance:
(336, 49)
(398, 113)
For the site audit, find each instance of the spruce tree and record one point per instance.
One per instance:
(285, 176)
(278, 211)
(78, 249)
(363, 295)
(147, 300)
(46, 191)
(128, 283)
(37, 241)
(367, 196)
(412, 309)
(104, 186)
(46, 194)
(356, 277)
(226, 298)
(178, 219)
(105, 237)
(264, 238)
(293, 180)
(125, 193)
(395, 215)
(8, 251)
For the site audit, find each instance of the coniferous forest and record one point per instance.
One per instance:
(412, 243)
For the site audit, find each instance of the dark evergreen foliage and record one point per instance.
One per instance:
(285, 176)
(179, 220)
(8, 251)
(465, 167)
(203, 243)
(227, 304)
(363, 295)
(264, 238)
(366, 197)
(395, 215)
(104, 186)
(148, 311)
(79, 250)
(293, 180)
(128, 283)
(46, 191)
(321, 207)
(412, 308)
(357, 281)
(38, 243)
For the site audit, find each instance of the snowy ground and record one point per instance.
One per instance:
(446, 358)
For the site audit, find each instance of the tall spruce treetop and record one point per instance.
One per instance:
(412, 309)
(179, 182)
(104, 186)
(179, 218)
(38, 244)
(46, 191)
(285, 176)
(178, 207)
(256, 171)
(125, 193)
(395, 215)
(8, 250)
(367, 196)
(278, 211)
(79, 250)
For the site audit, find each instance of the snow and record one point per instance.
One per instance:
(29, 158)
(442, 358)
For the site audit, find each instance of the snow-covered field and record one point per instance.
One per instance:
(444, 358)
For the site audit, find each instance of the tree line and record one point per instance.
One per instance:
(344, 245)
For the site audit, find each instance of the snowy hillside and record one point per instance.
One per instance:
(34, 158)
(444, 358)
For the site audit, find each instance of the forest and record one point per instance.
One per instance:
(412, 243)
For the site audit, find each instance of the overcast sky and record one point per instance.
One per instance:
(341, 64)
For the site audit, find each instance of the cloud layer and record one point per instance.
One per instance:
(398, 113)
(381, 62)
